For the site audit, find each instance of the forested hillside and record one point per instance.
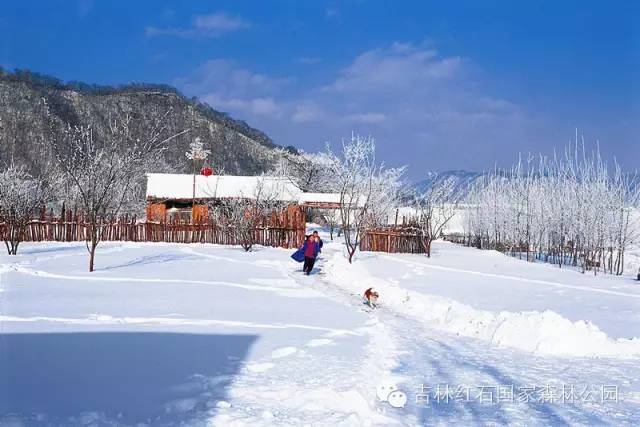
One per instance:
(34, 106)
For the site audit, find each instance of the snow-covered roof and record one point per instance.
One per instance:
(180, 186)
(320, 198)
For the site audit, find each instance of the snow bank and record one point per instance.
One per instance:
(632, 262)
(545, 332)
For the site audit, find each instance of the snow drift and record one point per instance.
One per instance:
(546, 333)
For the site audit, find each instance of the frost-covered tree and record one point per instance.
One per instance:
(196, 153)
(331, 219)
(366, 189)
(568, 209)
(241, 217)
(104, 174)
(21, 196)
(310, 172)
(388, 190)
(435, 208)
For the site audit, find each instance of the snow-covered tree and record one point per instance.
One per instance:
(104, 174)
(366, 189)
(196, 150)
(21, 196)
(331, 219)
(196, 153)
(313, 173)
(310, 172)
(435, 208)
(569, 209)
(388, 191)
(241, 217)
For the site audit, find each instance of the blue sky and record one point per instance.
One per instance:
(440, 86)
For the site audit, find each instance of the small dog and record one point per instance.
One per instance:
(371, 298)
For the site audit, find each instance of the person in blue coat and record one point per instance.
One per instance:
(298, 255)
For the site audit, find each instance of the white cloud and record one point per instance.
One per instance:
(226, 76)
(399, 67)
(331, 12)
(411, 98)
(307, 112)
(265, 106)
(218, 22)
(213, 25)
(255, 106)
(226, 86)
(366, 118)
(307, 60)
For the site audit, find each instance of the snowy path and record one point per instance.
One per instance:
(468, 366)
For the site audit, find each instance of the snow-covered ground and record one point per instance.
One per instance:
(164, 334)
(488, 280)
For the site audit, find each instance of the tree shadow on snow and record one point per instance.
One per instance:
(152, 259)
(39, 248)
(127, 378)
(473, 410)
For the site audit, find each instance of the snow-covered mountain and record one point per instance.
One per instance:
(463, 179)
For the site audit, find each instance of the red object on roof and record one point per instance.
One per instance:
(206, 171)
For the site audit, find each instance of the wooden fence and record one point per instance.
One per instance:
(279, 229)
(393, 240)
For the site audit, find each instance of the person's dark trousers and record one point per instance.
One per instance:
(308, 264)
